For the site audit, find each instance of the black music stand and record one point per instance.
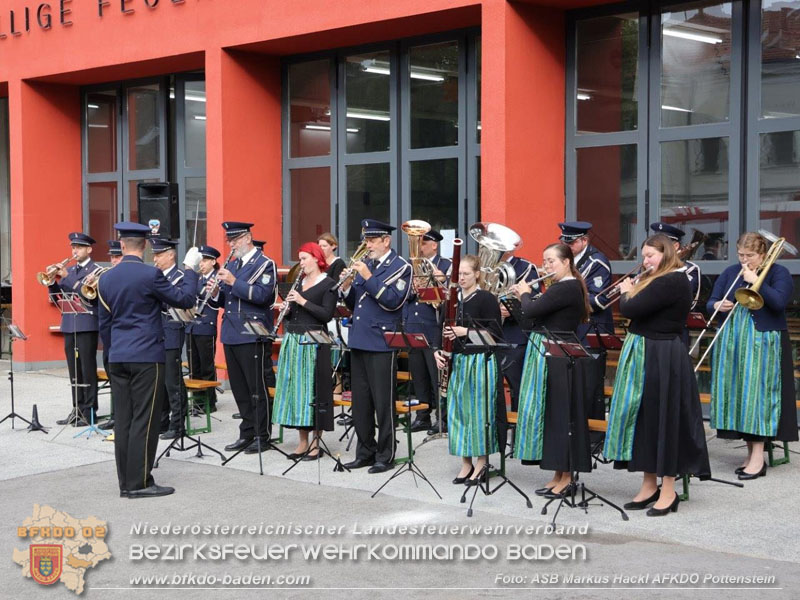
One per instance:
(318, 337)
(480, 338)
(257, 328)
(566, 345)
(16, 334)
(601, 343)
(402, 340)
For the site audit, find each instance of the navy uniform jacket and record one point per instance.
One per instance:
(130, 297)
(71, 322)
(692, 271)
(376, 303)
(250, 298)
(776, 290)
(420, 317)
(173, 330)
(204, 323)
(596, 272)
(526, 271)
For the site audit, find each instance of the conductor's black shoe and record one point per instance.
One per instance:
(642, 504)
(239, 444)
(744, 475)
(435, 428)
(107, 425)
(169, 434)
(123, 493)
(421, 424)
(151, 492)
(68, 419)
(360, 463)
(80, 422)
(380, 467)
(237, 415)
(254, 448)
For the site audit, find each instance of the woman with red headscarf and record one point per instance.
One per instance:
(304, 389)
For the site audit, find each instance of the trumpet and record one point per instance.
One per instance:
(89, 286)
(48, 276)
(612, 292)
(348, 274)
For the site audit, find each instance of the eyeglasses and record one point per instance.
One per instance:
(747, 256)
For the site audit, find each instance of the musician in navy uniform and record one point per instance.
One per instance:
(172, 412)
(131, 296)
(421, 317)
(80, 331)
(114, 256)
(376, 296)
(247, 293)
(512, 358)
(201, 332)
(691, 269)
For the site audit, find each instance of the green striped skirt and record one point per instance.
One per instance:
(473, 387)
(529, 436)
(294, 387)
(626, 399)
(746, 381)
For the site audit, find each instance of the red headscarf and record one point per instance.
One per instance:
(314, 250)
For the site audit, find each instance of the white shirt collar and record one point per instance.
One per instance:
(85, 262)
(383, 258)
(249, 255)
(567, 278)
(166, 271)
(578, 258)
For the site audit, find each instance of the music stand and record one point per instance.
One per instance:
(318, 337)
(480, 338)
(16, 334)
(253, 326)
(566, 345)
(402, 340)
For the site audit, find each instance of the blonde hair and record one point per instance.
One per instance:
(474, 262)
(330, 238)
(669, 261)
(755, 242)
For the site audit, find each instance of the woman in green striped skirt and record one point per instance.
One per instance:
(476, 413)
(655, 424)
(304, 387)
(752, 382)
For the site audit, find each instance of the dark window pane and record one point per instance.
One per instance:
(606, 189)
(434, 192)
(696, 63)
(694, 191)
(311, 206)
(101, 121)
(103, 213)
(195, 124)
(367, 198)
(310, 109)
(607, 62)
(433, 84)
(367, 89)
(196, 228)
(144, 132)
(780, 58)
(779, 182)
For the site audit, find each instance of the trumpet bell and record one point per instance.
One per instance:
(45, 278)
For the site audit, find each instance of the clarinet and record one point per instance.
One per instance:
(451, 306)
(286, 306)
(208, 295)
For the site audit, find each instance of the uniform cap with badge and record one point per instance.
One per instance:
(371, 228)
(573, 230)
(672, 232)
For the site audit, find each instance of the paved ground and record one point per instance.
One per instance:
(722, 531)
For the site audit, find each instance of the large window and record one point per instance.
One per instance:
(5, 197)
(389, 132)
(687, 113)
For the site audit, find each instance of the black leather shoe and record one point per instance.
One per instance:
(360, 463)
(170, 434)
(380, 467)
(239, 444)
(254, 448)
(435, 429)
(294, 456)
(107, 426)
(471, 482)
(553, 495)
(313, 456)
(68, 420)
(80, 422)
(660, 512)
(420, 424)
(461, 480)
(738, 470)
(123, 493)
(151, 492)
(345, 420)
(745, 476)
(237, 415)
(642, 504)
(542, 491)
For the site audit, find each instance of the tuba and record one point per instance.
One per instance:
(423, 280)
(494, 240)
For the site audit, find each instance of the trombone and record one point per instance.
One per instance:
(48, 276)
(350, 272)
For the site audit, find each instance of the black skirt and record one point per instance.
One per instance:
(669, 439)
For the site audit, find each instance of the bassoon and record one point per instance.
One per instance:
(450, 309)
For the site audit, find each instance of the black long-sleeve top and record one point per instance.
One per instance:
(335, 268)
(317, 311)
(659, 311)
(480, 309)
(560, 308)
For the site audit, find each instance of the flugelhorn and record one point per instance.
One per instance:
(494, 241)
(48, 276)
(89, 286)
(350, 272)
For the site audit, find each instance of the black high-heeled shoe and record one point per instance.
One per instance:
(542, 491)
(660, 512)
(461, 480)
(738, 471)
(642, 504)
(744, 475)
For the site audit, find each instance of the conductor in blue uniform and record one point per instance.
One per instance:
(131, 296)
(380, 288)
(247, 293)
(80, 331)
